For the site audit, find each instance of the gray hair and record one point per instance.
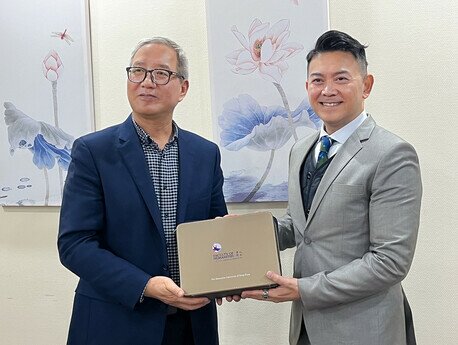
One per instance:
(182, 61)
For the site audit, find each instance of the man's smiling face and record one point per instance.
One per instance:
(147, 99)
(337, 88)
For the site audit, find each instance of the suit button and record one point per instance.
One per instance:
(307, 213)
(309, 175)
(307, 240)
(165, 268)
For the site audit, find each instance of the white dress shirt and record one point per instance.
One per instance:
(340, 136)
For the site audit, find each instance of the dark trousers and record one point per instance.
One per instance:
(303, 337)
(178, 329)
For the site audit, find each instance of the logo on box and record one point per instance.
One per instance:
(216, 247)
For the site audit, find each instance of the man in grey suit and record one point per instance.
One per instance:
(353, 213)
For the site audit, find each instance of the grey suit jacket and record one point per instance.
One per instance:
(358, 242)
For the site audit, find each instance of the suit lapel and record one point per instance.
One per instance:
(345, 154)
(131, 152)
(186, 171)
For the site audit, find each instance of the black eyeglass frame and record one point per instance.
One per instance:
(150, 71)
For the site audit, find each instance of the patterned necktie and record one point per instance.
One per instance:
(326, 143)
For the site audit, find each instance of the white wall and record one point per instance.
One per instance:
(413, 52)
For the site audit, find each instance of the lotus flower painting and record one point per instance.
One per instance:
(259, 103)
(45, 100)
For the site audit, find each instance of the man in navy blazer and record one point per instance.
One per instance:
(127, 188)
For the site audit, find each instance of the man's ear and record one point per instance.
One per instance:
(368, 83)
(184, 89)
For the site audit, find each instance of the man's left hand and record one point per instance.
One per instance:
(287, 290)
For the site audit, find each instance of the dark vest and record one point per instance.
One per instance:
(310, 178)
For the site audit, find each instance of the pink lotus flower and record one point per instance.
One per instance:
(265, 50)
(52, 66)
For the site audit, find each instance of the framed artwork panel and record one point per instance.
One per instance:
(259, 104)
(46, 96)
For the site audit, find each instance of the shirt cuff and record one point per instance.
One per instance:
(142, 296)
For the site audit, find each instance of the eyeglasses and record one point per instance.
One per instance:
(159, 76)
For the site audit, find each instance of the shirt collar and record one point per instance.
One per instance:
(346, 131)
(146, 139)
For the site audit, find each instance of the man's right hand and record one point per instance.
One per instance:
(165, 290)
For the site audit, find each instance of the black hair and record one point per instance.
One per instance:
(334, 40)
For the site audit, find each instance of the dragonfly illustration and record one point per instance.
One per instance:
(63, 36)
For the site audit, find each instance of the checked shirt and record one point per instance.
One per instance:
(163, 168)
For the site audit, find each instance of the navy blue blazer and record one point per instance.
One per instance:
(111, 235)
